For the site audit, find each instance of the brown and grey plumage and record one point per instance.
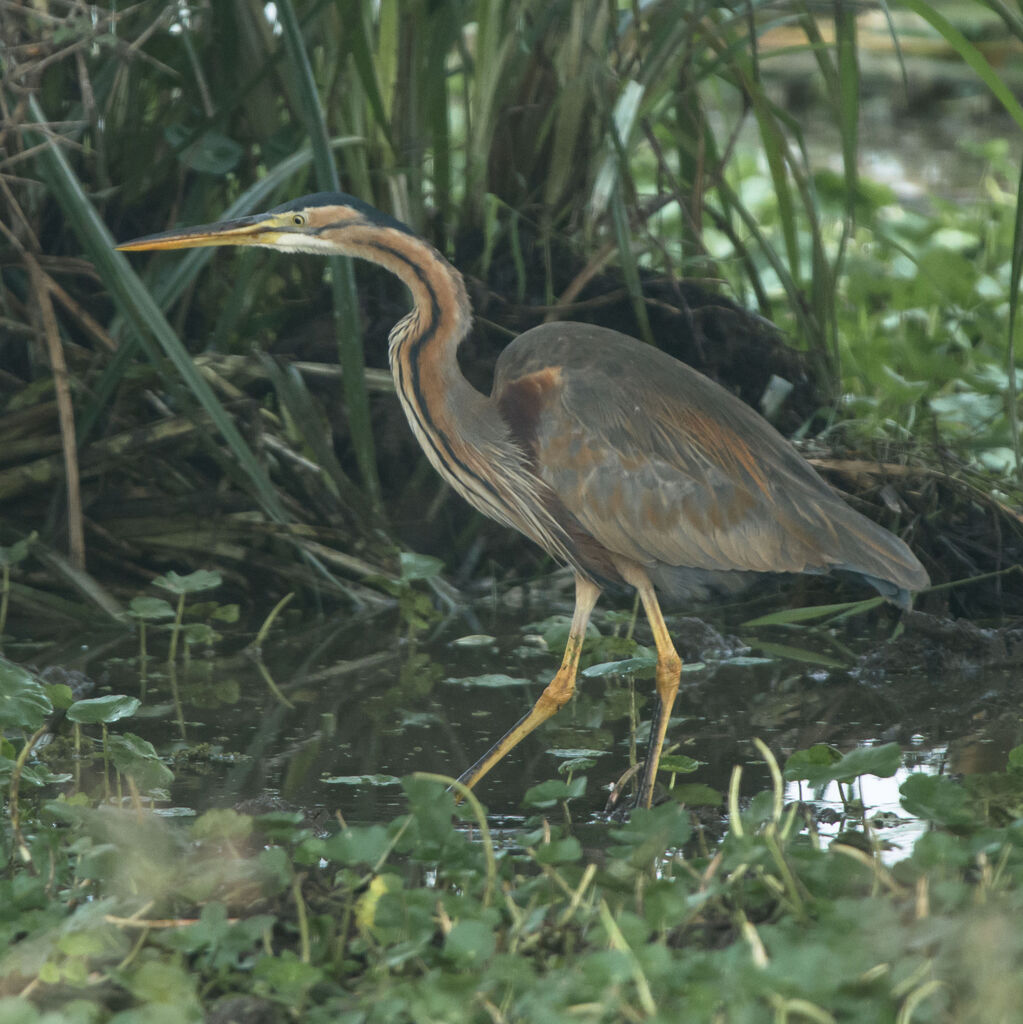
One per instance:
(615, 458)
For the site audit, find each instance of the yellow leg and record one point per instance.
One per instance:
(557, 693)
(669, 671)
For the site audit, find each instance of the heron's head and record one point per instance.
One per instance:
(328, 223)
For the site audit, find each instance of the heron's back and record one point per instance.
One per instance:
(658, 464)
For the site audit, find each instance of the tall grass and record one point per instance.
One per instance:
(596, 127)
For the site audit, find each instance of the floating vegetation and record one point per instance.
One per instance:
(112, 913)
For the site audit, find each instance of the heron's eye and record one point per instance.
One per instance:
(298, 220)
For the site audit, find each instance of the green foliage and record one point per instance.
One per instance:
(193, 583)
(588, 129)
(23, 700)
(415, 605)
(490, 680)
(398, 920)
(938, 799)
(679, 763)
(642, 665)
(695, 794)
(418, 567)
(556, 134)
(136, 758)
(14, 554)
(821, 764)
(26, 703)
(150, 608)
(103, 709)
(375, 779)
(549, 794)
(193, 632)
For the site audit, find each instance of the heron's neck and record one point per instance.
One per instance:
(425, 342)
(453, 422)
(461, 431)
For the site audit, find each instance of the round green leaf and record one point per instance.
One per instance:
(678, 763)
(695, 794)
(61, 695)
(364, 844)
(360, 780)
(214, 153)
(103, 709)
(559, 851)
(200, 633)
(619, 668)
(227, 613)
(818, 766)
(134, 756)
(489, 679)
(418, 567)
(470, 942)
(201, 579)
(937, 798)
(808, 763)
(548, 793)
(150, 608)
(23, 701)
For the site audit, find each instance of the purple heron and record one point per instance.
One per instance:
(617, 459)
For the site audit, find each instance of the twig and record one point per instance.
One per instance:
(65, 410)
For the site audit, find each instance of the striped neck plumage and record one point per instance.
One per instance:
(459, 429)
(446, 413)
(441, 315)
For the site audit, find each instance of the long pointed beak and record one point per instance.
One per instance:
(257, 230)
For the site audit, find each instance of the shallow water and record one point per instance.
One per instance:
(367, 708)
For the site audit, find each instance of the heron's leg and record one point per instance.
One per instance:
(669, 671)
(557, 693)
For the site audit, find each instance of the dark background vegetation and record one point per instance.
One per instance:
(634, 165)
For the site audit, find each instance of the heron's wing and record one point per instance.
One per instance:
(662, 466)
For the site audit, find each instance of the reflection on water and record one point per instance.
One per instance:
(896, 831)
(365, 710)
